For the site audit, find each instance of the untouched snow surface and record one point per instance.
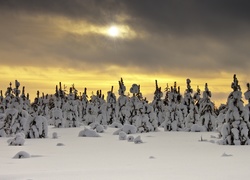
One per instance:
(162, 155)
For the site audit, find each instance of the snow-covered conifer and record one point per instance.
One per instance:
(235, 131)
(111, 105)
(121, 108)
(197, 97)
(188, 99)
(70, 111)
(192, 119)
(206, 110)
(247, 97)
(36, 127)
(174, 118)
(57, 118)
(15, 114)
(132, 105)
(158, 104)
(91, 115)
(84, 101)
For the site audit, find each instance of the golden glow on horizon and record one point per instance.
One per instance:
(45, 80)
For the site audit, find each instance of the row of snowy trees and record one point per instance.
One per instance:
(191, 112)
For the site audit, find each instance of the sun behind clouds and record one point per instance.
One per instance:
(113, 31)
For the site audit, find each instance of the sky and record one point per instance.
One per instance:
(46, 42)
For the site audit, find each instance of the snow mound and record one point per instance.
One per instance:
(54, 135)
(18, 140)
(93, 125)
(131, 138)
(138, 140)
(129, 129)
(116, 125)
(88, 133)
(122, 135)
(21, 155)
(226, 155)
(60, 144)
(117, 132)
(100, 128)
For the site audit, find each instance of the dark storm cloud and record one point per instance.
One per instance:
(192, 16)
(177, 16)
(91, 10)
(177, 36)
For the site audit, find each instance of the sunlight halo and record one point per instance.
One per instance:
(113, 31)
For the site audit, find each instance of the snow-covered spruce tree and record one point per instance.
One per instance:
(85, 102)
(132, 105)
(235, 131)
(91, 113)
(44, 107)
(100, 108)
(36, 107)
(221, 117)
(158, 104)
(197, 97)
(111, 105)
(121, 110)
(20, 104)
(14, 118)
(36, 125)
(151, 114)
(167, 90)
(5, 121)
(207, 114)
(70, 111)
(95, 110)
(142, 118)
(8, 96)
(78, 104)
(186, 102)
(188, 99)
(247, 97)
(25, 100)
(192, 103)
(192, 119)
(2, 121)
(57, 115)
(174, 118)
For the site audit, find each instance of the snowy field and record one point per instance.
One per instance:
(162, 155)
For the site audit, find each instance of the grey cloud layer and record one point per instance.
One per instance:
(180, 36)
